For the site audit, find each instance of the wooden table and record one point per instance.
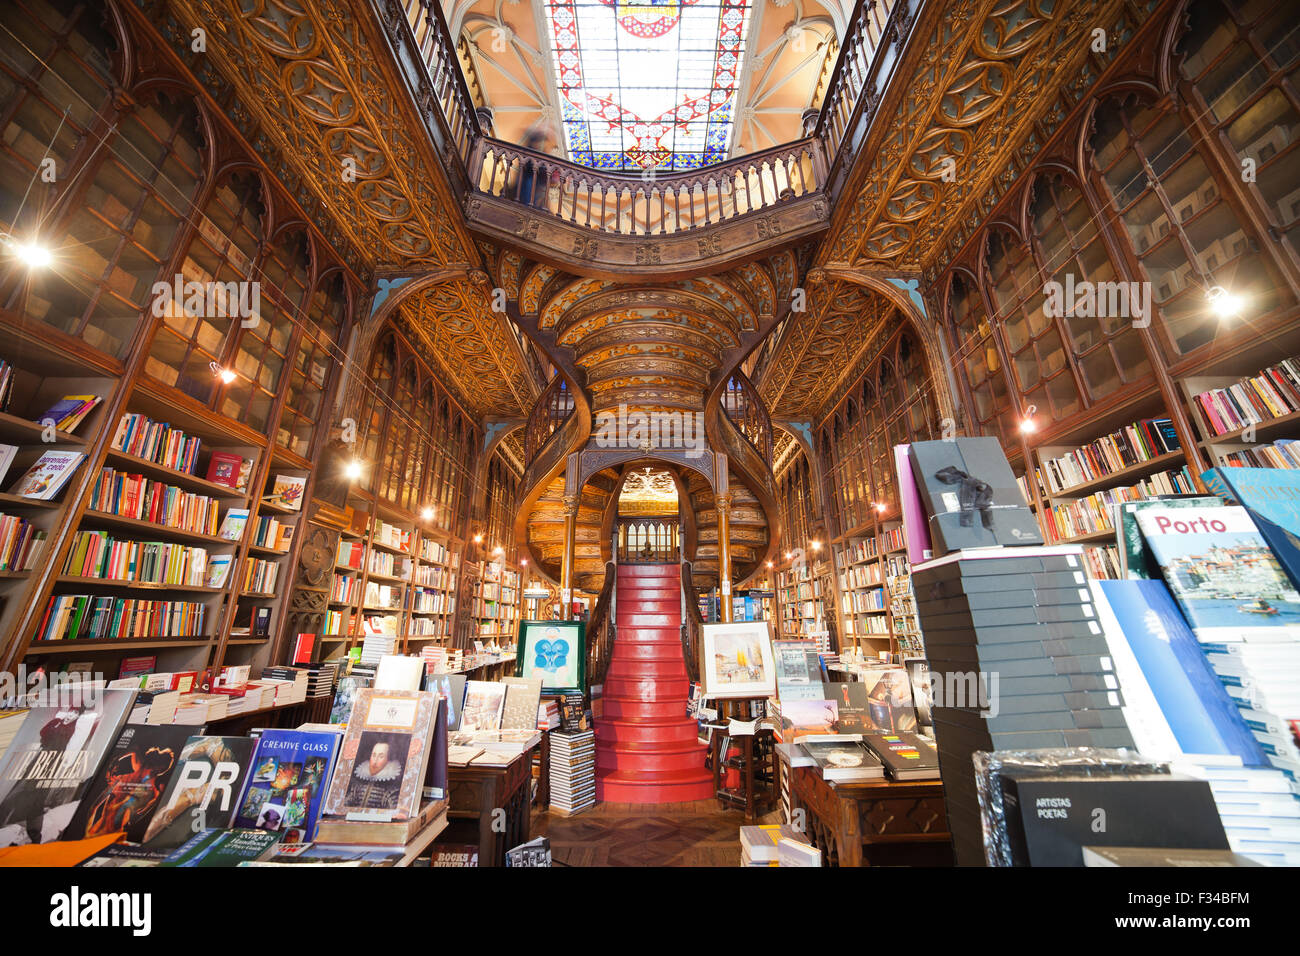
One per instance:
(479, 791)
(876, 822)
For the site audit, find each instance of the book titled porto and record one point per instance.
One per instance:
(384, 756)
(52, 760)
(128, 787)
(291, 769)
(1223, 574)
(203, 792)
(905, 756)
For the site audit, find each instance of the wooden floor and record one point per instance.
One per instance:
(635, 834)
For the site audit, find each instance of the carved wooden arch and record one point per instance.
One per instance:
(589, 462)
(685, 512)
(926, 331)
(174, 87)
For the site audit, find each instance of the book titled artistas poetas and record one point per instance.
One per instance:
(383, 756)
(203, 791)
(50, 762)
(1223, 574)
(290, 771)
(128, 787)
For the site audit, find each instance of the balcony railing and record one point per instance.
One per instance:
(741, 402)
(861, 41)
(649, 204)
(550, 412)
(436, 47)
(649, 541)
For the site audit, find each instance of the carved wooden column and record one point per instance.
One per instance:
(724, 556)
(566, 560)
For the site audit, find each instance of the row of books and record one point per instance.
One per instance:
(20, 543)
(134, 496)
(345, 590)
(383, 596)
(867, 626)
(439, 626)
(860, 601)
(389, 565)
(860, 576)
(69, 412)
(97, 554)
(1130, 445)
(437, 553)
(91, 617)
(391, 536)
(424, 601)
(1102, 562)
(892, 539)
(141, 436)
(272, 533)
(350, 554)
(1093, 513)
(858, 551)
(1273, 393)
(260, 576)
(1283, 453)
(435, 576)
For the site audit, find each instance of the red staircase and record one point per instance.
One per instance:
(647, 749)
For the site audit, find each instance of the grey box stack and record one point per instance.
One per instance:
(1019, 661)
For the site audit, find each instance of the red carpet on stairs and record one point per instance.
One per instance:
(647, 750)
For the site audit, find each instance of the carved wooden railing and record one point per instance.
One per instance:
(649, 204)
(601, 627)
(439, 53)
(692, 624)
(741, 402)
(649, 540)
(861, 41)
(551, 410)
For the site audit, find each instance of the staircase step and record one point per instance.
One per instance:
(670, 786)
(639, 604)
(637, 619)
(648, 635)
(618, 708)
(646, 730)
(633, 668)
(644, 572)
(662, 759)
(629, 651)
(635, 592)
(647, 688)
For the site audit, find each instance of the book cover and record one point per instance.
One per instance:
(129, 784)
(889, 699)
(1272, 498)
(384, 755)
(291, 769)
(484, 701)
(523, 697)
(232, 526)
(7, 453)
(48, 475)
(798, 670)
(52, 760)
(808, 718)
(68, 412)
(1223, 574)
(451, 687)
(1201, 715)
(1135, 559)
(224, 468)
(906, 756)
(345, 695)
(287, 491)
(218, 570)
(203, 792)
(845, 761)
(221, 848)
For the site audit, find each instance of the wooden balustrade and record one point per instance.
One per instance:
(434, 42)
(745, 409)
(551, 410)
(857, 52)
(650, 204)
(649, 540)
(601, 628)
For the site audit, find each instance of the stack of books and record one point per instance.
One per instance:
(548, 714)
(573, 771)
(375, 646)
(296, 679)
(1026, 614)
(758, 844)
(201, 708)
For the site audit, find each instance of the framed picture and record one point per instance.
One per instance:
(737, 660)
(555, 651)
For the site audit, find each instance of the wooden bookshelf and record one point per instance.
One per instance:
(802, 602)
(496, 602)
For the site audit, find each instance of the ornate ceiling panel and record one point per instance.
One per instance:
(314, 82)
(979, 84)
(471, 347)
(821, 347)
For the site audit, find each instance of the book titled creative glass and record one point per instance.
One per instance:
(383, 756)
(290, 771)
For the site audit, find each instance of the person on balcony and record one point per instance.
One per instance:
(534, 178)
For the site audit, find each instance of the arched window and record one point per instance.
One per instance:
(398, 442)
(315, 359)
(374, 404)
(975, 353)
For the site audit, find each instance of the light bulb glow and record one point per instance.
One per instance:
(426, 514)
(478, 539)
(352, 470)
(32, 255)
(1223, 303)
(1028, 425)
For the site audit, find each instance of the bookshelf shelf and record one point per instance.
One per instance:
(22, 501)
(96, 518)
(143, 585)
(1123, 476)
(21, 431)
(152, 469)
(122, 643)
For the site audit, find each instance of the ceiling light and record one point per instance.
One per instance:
(31, 254)
(523, 562)
(498, 550)
(816, 545)
(426, 514)
(769, 564)
(788, 555)
(225, 375)
(881, 507)
(1224, 304)
(1027, 424)
(352, 470)
(478, 539)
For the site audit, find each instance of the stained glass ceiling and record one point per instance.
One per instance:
(648, 84)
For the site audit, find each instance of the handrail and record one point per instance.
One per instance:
(438, 50)
(652, 203)
(649, 540)
(692, 622)
(601, 628)
(551, 410)
(862, 38)
(745, 409)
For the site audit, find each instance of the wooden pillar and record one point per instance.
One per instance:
(566, 560)
(724, 556)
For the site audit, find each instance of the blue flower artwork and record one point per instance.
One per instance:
(552, 655)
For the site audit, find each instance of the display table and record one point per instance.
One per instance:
(880, 822)
(478, 791)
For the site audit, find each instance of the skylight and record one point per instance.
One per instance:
(648, 84)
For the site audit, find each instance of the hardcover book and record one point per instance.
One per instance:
(232, 526)
(384, 756)
(1272, 498)
(451, 687)
(287, 491)
(345, 695)
(52, 760)
(798, 670)
(291, 769)
(846, 761)
(203, 792)
(1223, 574)
(523, 697)
(905, 756)
(224, 468)
(1135, 558)
(48, 475)
(221, 848)
(484, 701)
(128, 787)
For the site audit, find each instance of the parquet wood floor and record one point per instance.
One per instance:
(651, 834)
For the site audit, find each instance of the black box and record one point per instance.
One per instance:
(1050, 819)
(995, 527)
(1098, 718)
(953, 603)
(1026, 561)
(934, 619)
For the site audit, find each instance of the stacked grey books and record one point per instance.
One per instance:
(1018, 661)
(573, 770)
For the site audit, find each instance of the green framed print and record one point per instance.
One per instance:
(555, 651)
